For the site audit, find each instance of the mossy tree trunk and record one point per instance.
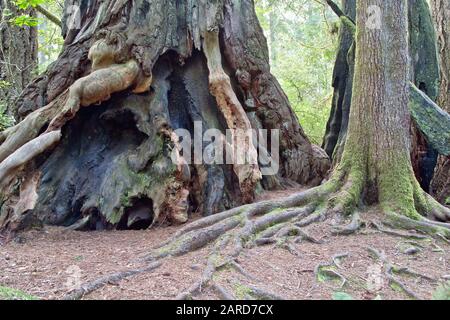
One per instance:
(376, 153)
(440, 187)
(424, 74)
(106, 114)
(18, 54)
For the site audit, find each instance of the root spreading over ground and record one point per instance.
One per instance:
(281, 222)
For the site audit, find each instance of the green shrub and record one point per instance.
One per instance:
(5, 120)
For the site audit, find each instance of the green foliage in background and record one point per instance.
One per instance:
(50, 39)
(5, 120)
(302, 38)
(24, 20)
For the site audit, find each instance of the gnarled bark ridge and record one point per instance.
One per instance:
(129, 76)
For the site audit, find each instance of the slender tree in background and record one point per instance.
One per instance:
(441, 14)
(18, 53)
(151, 69)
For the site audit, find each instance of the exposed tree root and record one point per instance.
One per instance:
(113, 278)
(261, 294)
(423, 225)
(237, 267)
(281, 222)
(25, 153)
(378, 226)
(208, 273)
(15, 137)
(337, 259)
(222, 292)
(353, 227)
(390, 273)
(109, 75)
(409, 272)
(326, 271)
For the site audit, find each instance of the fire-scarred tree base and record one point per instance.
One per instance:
(105, 113)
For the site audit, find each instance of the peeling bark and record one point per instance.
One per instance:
(234, 114)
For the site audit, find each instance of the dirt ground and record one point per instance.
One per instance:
(49, 263)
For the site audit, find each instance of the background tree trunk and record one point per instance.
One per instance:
(343, 73)
(112, 167)
(440, 187)
(18, 54)
(425, 75)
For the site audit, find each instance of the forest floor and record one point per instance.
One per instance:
(45, 263)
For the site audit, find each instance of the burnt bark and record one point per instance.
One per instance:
(440, 186)
(129, 76)
(18, 54)
(343, 73)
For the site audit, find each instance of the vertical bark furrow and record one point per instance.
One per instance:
(342, 83)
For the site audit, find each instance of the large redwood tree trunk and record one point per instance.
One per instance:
(440, 187)
(106, 112)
